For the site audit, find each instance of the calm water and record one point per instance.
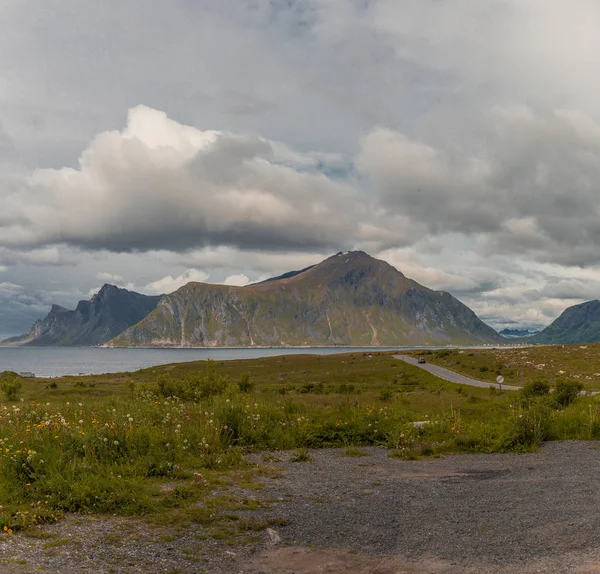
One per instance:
(58, 361)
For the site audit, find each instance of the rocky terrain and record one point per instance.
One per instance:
(348, 299)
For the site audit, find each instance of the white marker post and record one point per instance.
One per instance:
(500, 380)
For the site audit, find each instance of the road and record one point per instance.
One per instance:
(451, 376)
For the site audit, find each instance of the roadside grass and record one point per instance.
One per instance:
(521, 365)
(168, 443)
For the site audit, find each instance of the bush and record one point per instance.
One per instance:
(316, 388)
(386, 395)
(10, 388)
(529, 428)
(244, 384)
(346, 389)
(194, 387)
(565, 392)
(535, 389)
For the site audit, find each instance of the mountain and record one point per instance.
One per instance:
(348, 299)
(577, 324)
(93, 322)
(510, 333)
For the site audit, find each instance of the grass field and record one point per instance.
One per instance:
(168, 442)
(521, 365)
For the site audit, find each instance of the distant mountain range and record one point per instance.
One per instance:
(576, 325)
(93, 322)
(511, 333)
(348, 299)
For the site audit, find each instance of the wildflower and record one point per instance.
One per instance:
(116, 443)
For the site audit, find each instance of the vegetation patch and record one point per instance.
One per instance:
(169, 442)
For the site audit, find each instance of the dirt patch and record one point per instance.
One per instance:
(326, 561)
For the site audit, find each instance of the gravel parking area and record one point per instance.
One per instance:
(482, 513)
(373, 514)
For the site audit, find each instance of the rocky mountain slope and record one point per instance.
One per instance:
(577, 324)
(348, 299)
(93, 322)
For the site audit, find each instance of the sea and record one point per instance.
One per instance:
(61, 361)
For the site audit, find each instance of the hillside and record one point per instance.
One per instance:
(348, 299)
(577, 324)
(93, 322)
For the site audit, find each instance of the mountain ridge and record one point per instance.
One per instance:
(108, 313)
(348, 299)
(577, 324)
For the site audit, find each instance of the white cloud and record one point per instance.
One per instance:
(9, 289)
(239, 279)
(161, 184)
(110, 278)
(169, 284)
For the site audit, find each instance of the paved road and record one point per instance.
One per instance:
(451, 376)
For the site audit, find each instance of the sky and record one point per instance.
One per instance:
(150, 143)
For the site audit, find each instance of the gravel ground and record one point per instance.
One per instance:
(470, 513)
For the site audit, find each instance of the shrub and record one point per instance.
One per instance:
(316, 388)
(195, 386)
(345, 389)
(529, 428)
(537, 388)
(10, 388)
(386, 395)
(244, 384)
(565, 392)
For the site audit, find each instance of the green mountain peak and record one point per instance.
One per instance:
(349, 298)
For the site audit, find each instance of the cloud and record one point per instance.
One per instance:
(169, 284)
(51, 256)
(288, 131)
(228, 258)
(159, 184)
(239, 279)
(110, 278)
(8, 289)
(535, 195)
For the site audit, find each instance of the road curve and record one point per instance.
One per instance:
(451, 376)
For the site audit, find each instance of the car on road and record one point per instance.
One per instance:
(421, 360)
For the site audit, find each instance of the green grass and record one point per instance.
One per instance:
(521, 365)
(123, 444)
